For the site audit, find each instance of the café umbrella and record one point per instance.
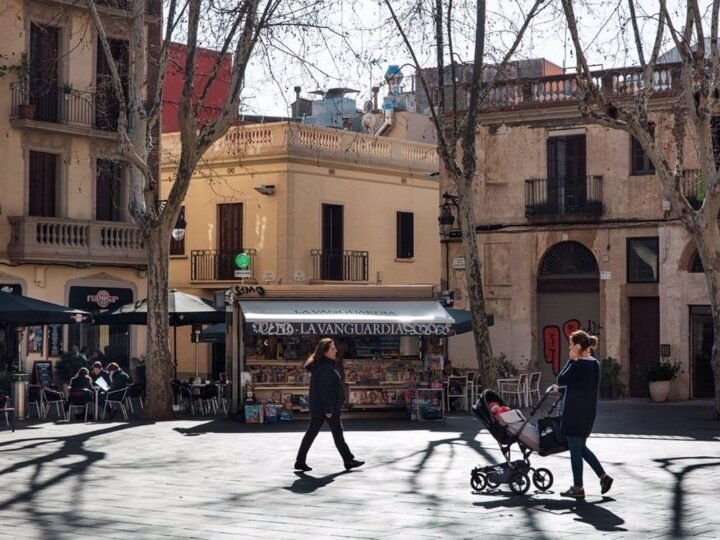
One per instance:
(183, 309)
(23, 310)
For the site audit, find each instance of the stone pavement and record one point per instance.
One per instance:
(221, 479)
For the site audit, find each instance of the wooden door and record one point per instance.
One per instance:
(566, 163)
(332, 242)
(644, 341)
(702, 335)
(108, 191)
(44, 80)
(43, 184)
(107, 106)
(230, 238)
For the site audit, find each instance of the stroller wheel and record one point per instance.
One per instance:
(519, 483)
(478, 481)
(491, 483)
(543, 479)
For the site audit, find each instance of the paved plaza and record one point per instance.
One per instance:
(222, 479)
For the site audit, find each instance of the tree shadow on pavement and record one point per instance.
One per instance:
(67, 465)
(586, 511)
(679, 494)
(307, 483)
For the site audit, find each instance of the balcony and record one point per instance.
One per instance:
(153, 8)
(64, 109)
(577, 196)
(218, 265)
(337, 265)
(75, 241)
(693, 187)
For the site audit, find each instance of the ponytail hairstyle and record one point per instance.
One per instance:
(585, 340)
(320, 350)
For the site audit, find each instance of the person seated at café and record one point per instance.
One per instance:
(119, 380)
(98, 371)
(80, 389)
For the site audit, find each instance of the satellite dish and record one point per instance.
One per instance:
(368, 122)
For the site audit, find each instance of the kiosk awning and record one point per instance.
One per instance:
(343, 317)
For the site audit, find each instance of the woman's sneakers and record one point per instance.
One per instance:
(605, 484)
(353, 463)
(302, 467)
(575, 492)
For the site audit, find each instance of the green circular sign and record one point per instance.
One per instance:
(242, 260)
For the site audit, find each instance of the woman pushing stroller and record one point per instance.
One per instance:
(580, 380)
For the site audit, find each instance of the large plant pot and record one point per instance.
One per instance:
(659, 390)
(26, 111)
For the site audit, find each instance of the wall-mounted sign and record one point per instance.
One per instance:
(55, 340)
(605, 275)
(35, 339)
(349, 329)
(459, 263)
(243, 273)
(98, 298)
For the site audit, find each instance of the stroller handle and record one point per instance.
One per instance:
(550, 391)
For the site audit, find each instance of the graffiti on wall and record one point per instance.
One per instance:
(552, 343)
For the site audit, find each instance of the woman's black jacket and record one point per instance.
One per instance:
(581, 379)
(326, 390)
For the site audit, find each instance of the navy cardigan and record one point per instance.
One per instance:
(581, 379)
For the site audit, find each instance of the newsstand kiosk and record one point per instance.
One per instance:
(392, 345)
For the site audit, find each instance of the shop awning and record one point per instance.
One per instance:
(343, 317)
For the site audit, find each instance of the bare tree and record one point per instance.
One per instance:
(455, 109)
(697, 80)
(233, 27)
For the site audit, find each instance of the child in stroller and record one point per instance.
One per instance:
(508, 427)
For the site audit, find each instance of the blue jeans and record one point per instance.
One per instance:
(578, 452)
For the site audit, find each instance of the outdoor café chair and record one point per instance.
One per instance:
(516, 388)
(35, 400)
(56, 398)
(209, 398)
(78, 406)
(534, 387)
(135, 391)
(116, 398)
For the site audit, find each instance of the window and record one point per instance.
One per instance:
(639, 161)
(642, 260)
(108, 191)
(43, 184)
(405, 235)
(696, 265)
(177, 247)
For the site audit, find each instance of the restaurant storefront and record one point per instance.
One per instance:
(8, 340)
(112, 340)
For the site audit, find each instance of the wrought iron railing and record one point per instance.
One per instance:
(218, 265)
(563, 195)
(64, 105)
(339, 265)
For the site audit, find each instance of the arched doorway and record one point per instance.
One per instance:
(568, 286)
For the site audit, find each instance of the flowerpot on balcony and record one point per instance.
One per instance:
(659, 390)
(26, 111)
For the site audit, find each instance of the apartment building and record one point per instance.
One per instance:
(574, 233)
(315, 208)
(65, 233)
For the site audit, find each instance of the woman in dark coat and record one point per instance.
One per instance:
(580, 381)
(326, 399)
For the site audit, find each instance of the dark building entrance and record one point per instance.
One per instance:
(644, 341)
(701, 335)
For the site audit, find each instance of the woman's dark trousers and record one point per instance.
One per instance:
(313, 429)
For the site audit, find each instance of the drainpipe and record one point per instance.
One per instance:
(296, 111)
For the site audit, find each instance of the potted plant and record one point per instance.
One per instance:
(22, 69)
(659, 376)
(610, 385)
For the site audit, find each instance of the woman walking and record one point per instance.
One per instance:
(326, 399)
(580, 381)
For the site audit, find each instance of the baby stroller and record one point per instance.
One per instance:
(544, 438)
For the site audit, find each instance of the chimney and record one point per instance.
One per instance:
(375, 90)
(296, 108)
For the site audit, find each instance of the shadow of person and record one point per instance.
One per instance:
(306, 483)
(592, 513)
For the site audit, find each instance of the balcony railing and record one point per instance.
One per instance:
(61, 105)
(75, 241)
(337, 265)
(218, 265)
(563, 195)
(693, 187)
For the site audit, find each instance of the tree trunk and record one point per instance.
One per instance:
(158, 365)
(473, 276)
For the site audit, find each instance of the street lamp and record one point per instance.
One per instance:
(178, 233)
(446, 219)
